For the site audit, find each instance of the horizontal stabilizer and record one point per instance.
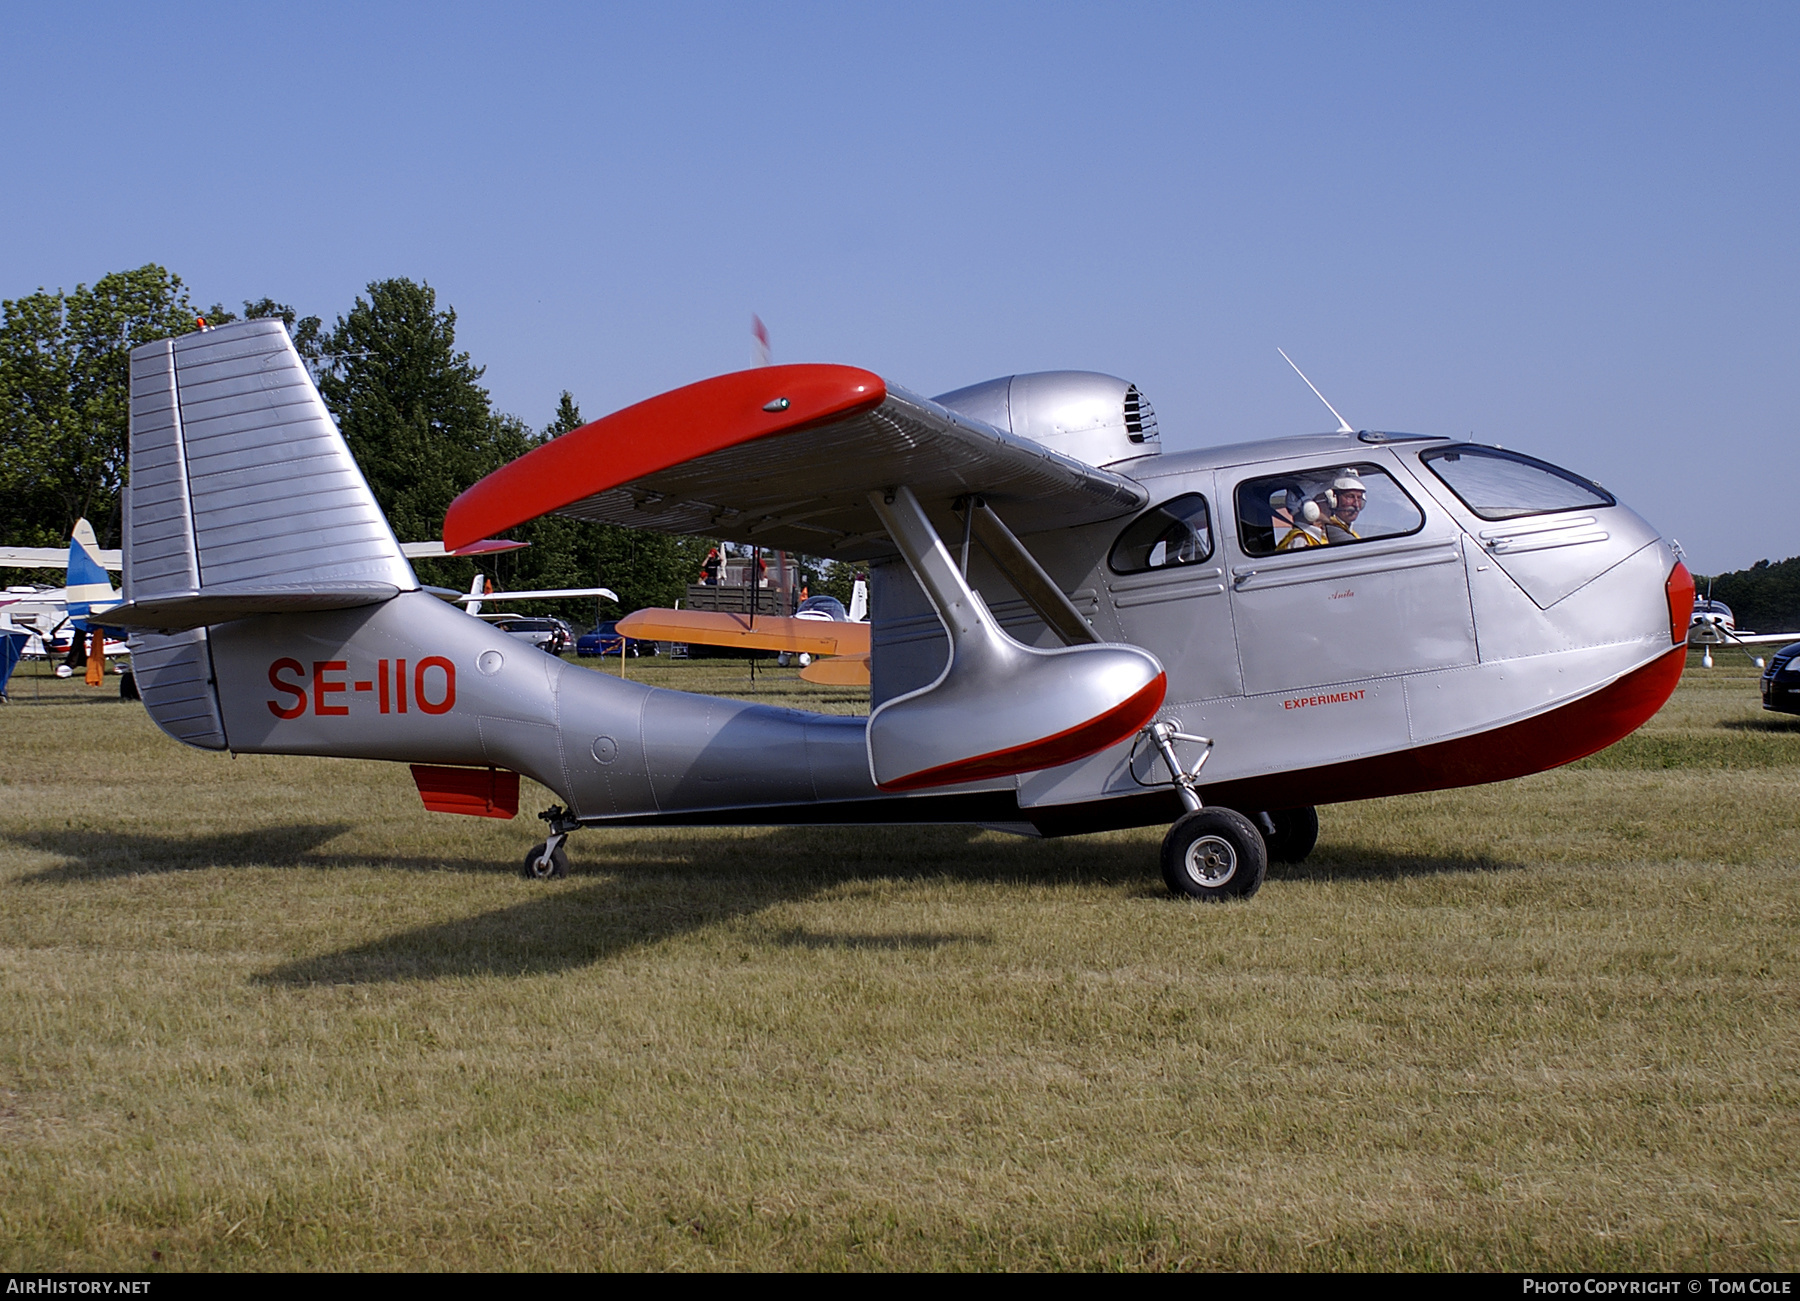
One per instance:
(223, 604)
(767, 632)
(845, 671)
(546, 594)
(436, 550)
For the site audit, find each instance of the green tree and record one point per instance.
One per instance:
(307, 332)
(412, 408)
(65, 398)
(1763, 598)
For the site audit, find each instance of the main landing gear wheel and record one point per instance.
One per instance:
(536, 868)
(1290, 834)
(1214, 854)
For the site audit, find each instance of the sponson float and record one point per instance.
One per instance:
(1072, 633)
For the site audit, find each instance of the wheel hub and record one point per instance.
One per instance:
(1211, 861)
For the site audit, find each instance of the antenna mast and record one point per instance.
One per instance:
(1343, 424)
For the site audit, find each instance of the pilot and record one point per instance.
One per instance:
(1301, 519)
(1343, 502)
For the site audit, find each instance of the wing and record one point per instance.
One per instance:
(545, 594)
(49, 558)
(765, 632)
(786, 456)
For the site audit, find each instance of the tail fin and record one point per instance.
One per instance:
(242, 489)
(87, 583)
(243, 499)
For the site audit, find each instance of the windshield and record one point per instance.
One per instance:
(824, 605)
(1497, 484)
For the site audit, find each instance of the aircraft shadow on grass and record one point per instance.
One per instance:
(658, 886)
(686, 887)
(91, 855)
(1777, 724)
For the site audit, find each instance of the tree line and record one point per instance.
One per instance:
(410, 404)
(1763, 598)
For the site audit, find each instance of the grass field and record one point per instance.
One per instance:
(268, 1013)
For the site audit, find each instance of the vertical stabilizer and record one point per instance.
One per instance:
(239, 476)
(243, 495)
(86, 584)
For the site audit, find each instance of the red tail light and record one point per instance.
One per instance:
(1680, 588)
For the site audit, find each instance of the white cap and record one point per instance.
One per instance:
(1347, 481)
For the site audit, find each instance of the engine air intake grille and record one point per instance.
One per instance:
(1140, 416)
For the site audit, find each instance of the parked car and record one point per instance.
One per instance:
(1781, 681)
(604, 639)
(552, 635)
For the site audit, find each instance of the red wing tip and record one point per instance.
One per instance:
(670, 429)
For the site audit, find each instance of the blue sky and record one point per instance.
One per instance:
(1569, 229)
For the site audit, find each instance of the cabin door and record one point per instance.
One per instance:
(1338, 573)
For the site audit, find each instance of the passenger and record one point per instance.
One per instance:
(1343, 502)
(1292, 512)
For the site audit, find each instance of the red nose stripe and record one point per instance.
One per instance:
(1545, 741)
(1077, 742)
(667, 430)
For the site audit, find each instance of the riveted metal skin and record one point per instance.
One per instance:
(1465, 651)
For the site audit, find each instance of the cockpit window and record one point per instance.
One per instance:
(1332, 506)
(1178, 532)
(1505, 485)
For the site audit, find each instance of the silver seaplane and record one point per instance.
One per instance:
(1072, 632)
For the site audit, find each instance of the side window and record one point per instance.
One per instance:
(1178, 532)
(1332, 506)
(1496, 484)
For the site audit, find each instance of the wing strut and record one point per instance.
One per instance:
(1028, 578)
(999, 707)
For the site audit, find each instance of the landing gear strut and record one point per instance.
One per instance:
(1209, 853)
(548, 859)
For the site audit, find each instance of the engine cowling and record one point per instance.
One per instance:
(1092, 417)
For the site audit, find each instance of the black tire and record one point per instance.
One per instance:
(1295, 833)
(559, 862)
(1214, 854)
